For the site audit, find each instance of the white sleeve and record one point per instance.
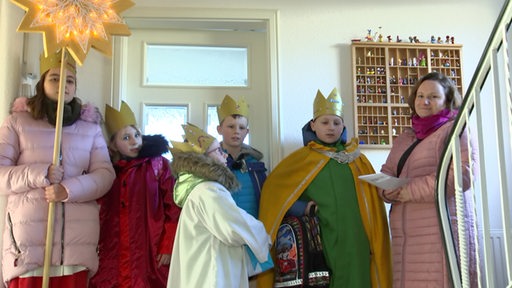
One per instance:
(227, 222)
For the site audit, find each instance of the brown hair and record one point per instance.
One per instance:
(453, 97)
(235, 116)
(36, 103)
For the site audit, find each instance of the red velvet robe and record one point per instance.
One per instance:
(138, 222)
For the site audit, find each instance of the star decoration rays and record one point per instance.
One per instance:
(76, 25)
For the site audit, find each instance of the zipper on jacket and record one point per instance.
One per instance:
(62, 234)
(11, 232)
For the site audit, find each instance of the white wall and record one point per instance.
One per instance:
(314, 47)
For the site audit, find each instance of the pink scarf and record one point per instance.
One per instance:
(427, 125)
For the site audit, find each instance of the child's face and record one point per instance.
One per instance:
(216, 152)
(128, 141)
(52, 85)
(328, 128)
(233, 130)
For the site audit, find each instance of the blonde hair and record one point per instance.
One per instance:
(115, 155)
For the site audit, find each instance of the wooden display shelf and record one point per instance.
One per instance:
(384, 75)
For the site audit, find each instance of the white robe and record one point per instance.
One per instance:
(208, 249)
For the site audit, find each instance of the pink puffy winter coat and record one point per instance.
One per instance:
(418, 250)
(26, 152)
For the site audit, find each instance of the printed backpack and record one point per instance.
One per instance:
(300, 261)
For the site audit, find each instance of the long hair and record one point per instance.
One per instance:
(453, 97)
(36, 103)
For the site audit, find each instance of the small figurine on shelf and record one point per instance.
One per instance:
(432, 39)
(411, 39)
(402, 99)
(415, 39)
(389, 38)
(392, 61)
(439, 40)
(452, 40)
(423, 60)
(383, 142)
(369, 37)
(394, 131)
(447, 41)
(380, 37)
(398, 40)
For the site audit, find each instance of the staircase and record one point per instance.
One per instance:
(486, 114)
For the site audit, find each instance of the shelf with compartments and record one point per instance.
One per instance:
(384, 75)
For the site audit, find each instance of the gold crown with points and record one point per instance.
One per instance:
(230, 107)
(332, 105)
(117, 120)
(196, 140)
(54, 60)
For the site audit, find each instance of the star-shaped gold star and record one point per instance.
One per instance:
(76, 25)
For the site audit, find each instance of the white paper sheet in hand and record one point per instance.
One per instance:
(384, 181)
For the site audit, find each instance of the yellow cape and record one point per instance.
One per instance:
(285, 184)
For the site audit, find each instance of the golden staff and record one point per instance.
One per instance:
(73, 26)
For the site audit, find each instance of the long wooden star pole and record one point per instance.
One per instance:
(73, 26)
(56, 162)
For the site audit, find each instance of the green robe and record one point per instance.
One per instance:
(361, 228)
(341, 227)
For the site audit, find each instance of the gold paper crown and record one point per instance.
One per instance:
(54, 60)
(333, 105)
(196, 140)
(117, 120)
(230, 107)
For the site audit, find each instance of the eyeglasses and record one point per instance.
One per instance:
(218, 149)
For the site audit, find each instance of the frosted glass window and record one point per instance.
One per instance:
(165, 120)
(183, 65)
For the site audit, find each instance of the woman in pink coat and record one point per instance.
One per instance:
(417, 245)
(30, 180)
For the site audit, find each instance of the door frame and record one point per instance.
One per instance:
(192, 16)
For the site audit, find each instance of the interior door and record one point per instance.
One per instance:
(197, 99)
